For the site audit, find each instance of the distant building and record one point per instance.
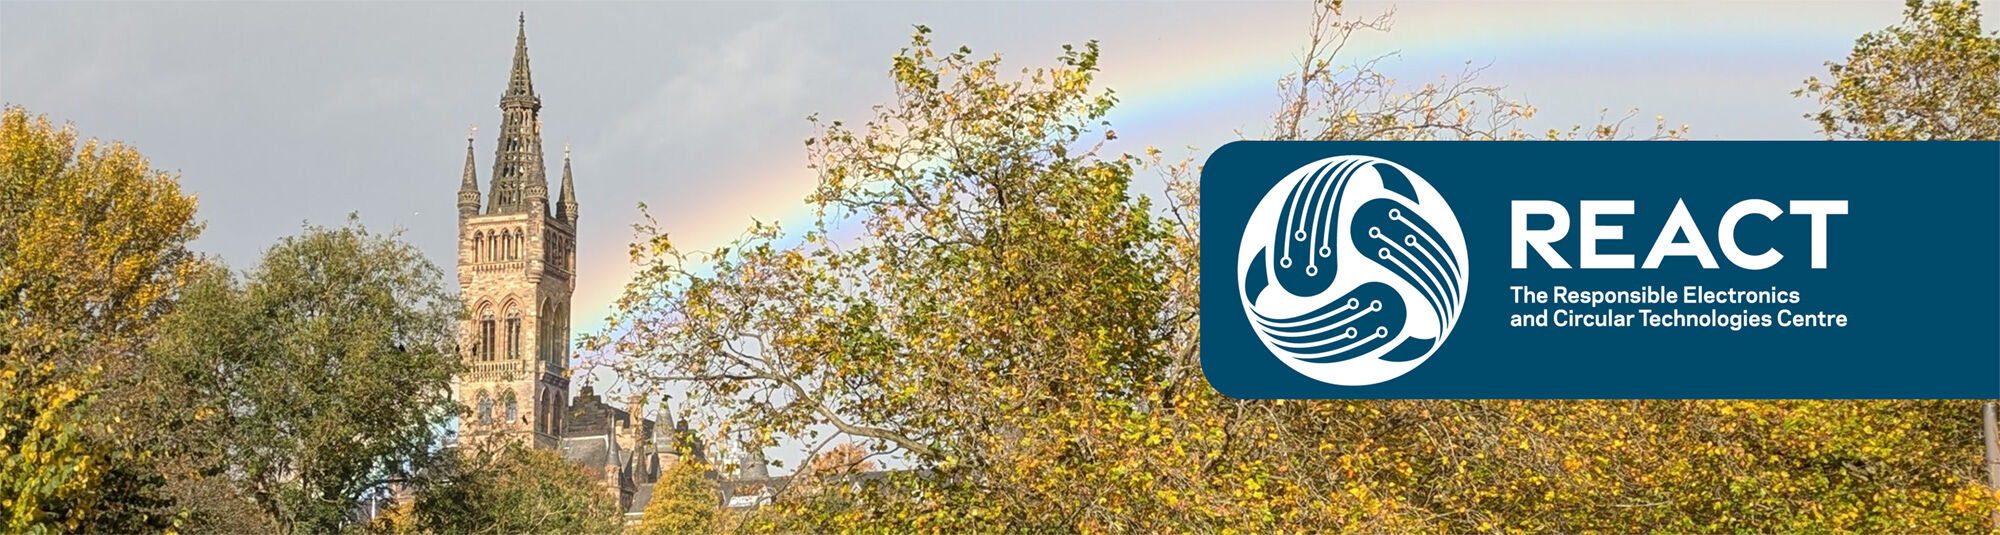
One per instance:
(516, 273)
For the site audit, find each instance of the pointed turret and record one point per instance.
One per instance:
(566, 209)
(665, 423)
(517, 159)
(468, 187)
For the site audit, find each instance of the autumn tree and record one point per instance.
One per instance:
(508, 488)
(324, 373)
(845, 458)
(1935, 76)
(93, 242)
(998, 317)
(685, 501)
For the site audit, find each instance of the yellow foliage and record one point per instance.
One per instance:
(92, 243)
(684, 501)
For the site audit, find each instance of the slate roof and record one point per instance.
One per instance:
(640, 497)
(592, 451)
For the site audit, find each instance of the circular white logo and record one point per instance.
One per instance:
(1352, 270)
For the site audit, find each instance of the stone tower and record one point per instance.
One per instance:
(516, 263)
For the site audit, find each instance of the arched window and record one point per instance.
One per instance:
(477, 241)
(555, 412)
(562, 332)
(513, 332)
(545, 325)
(513, 411)
(541, 422)
(485, 345)
(542, 412)
(485, 408)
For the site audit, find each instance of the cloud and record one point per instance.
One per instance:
(772, 64)
(369, 94)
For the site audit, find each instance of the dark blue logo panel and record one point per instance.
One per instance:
(1602, 269)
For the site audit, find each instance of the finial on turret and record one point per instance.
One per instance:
(566, 204)
(468, 187)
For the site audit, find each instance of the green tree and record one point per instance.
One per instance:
(1936, 76)
(324, 374)
(93, 242)
(512, 489)
(180, 398)
(685, 501)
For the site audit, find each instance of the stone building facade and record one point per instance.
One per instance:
(516, 274)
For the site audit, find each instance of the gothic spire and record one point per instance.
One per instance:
(519, 83)
(517, 166)
(468, 187)
(566, 210)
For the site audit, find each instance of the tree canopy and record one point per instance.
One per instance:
(1935, 76)
(322, 375)
(511, 489)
